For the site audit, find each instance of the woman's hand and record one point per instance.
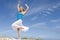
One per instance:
(27, 6)
(18, 1)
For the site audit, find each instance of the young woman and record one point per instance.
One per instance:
(21, 12)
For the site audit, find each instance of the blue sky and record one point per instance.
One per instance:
(43, 18)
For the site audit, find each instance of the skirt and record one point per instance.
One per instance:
(18, 24)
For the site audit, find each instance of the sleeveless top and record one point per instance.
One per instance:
(20, 15)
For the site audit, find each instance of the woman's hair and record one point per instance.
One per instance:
(22, 9)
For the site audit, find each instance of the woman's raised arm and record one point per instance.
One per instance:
(18, 5)
(27, 7)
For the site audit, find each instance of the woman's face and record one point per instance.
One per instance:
(21, 9)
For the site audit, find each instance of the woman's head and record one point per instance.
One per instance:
(21, 9)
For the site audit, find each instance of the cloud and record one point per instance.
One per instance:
(34, 18)
(34, 10)
(48, 8)
(56, 20)
(46, 31)
(44, 36)
(56, 6)
(48, 12)
(40, 26)
(44, 26)
(57, 29)
(44, 14)
(12, 8)
(37, 9)
(56, 25)
(8, 31)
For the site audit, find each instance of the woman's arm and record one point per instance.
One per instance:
(26, 8)
(18, 5)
